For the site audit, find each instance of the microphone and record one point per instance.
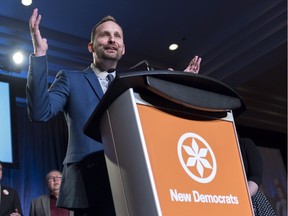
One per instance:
(145, 63)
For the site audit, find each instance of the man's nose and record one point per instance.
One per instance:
(112, 39)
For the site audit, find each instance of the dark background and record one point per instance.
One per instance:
(242, 43)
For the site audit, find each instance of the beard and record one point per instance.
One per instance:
(105, 53)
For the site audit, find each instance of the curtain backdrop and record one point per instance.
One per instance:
(41, 147)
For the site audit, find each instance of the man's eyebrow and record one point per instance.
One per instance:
(109, 32)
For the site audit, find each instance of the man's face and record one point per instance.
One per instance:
(54, 180)
(108, 43)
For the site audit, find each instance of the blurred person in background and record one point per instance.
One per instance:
(253, 165)
(45, 205)
(9, 199)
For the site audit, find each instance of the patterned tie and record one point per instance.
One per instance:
(109, 78)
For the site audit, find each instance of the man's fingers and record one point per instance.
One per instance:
(194, 65)
(199, 61)
(33, 18)
(35, 21)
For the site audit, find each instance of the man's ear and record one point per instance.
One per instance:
(123, 51)
(90, 47)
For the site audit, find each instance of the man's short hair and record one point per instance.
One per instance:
(104, 19)
(47, 176)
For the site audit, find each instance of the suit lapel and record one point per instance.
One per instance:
(93, 82)
(45, 201)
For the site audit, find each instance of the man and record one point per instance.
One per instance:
(45, 205)
(9, 200)
(77, 93)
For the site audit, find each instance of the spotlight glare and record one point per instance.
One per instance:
(173, 47)
(18, 57)
(26, 2)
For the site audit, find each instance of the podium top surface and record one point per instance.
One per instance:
(179, 90)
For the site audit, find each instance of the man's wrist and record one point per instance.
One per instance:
(39, 53)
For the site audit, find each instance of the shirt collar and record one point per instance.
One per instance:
(101, 74)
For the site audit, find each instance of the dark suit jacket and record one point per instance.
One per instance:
(252, 160)
(76, 93)
(9, 201)
(41, 206)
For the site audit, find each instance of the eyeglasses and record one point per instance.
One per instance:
(54, 178)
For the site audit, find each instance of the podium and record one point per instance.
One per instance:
(171, 146)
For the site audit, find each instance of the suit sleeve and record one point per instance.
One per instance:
(44, 103)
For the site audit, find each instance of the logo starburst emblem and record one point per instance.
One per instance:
(199, 157)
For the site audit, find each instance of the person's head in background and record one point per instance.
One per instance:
(54, 178)
(107, 43)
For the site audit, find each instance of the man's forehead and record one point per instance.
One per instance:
(109, 26)
(53, 173)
